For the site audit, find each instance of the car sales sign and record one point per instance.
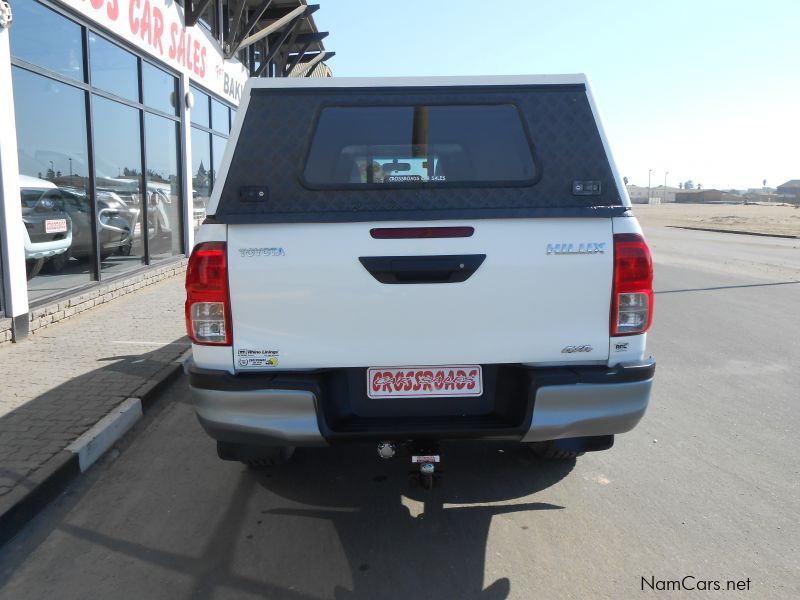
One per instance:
(157, 28)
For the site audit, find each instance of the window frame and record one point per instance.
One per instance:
(210, 131)
(89, 90)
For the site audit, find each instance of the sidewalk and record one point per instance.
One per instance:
(58, 384)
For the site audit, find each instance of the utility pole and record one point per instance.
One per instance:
(649, 173)
(665, 187)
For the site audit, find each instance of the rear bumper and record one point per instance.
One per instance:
(259, 416)
(587, 409)
(321, 407)
(36, 250)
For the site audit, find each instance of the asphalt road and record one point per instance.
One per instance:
(706, 486)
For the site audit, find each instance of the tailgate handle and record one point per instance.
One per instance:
(451, 268)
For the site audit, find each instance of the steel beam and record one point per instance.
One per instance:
(296, 59)
(278, 12)
(308, 68)
(304, 38)
(273, 27)
(237, 19)
(192, 12)
(290, 34)
(240, 37)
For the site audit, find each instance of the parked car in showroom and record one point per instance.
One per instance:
(159, 199)
(47, 228)
(116, 222)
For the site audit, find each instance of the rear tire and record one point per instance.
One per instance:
(272, 457)
(549, 451)
(33, 267)
(254, 456)
(57, 263)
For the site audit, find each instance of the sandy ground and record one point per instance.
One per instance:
(760, 218)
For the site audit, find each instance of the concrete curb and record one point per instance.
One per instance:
(50, 480)
(736, 231)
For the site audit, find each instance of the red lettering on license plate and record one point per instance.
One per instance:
(55, 226)
(405, 382)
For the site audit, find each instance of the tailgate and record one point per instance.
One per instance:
(303, 296)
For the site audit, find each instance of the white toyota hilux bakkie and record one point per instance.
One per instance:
(404, 261)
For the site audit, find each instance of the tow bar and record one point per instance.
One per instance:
(426, 456)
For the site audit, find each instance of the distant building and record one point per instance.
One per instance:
(638, 194)
(753, 196)
(790, 191)
(705, 196)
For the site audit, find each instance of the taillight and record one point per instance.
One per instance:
(208, 311)
(632, 300)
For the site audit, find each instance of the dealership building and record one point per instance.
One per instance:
(115, 115)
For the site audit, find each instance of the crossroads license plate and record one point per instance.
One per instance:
(55, 226)
(406, 382)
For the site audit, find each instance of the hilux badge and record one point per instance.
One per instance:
(581, 248)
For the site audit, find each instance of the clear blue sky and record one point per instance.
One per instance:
(707, 90)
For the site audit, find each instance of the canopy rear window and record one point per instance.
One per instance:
(412, 146)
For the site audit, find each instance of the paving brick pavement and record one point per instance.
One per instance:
(59, 383)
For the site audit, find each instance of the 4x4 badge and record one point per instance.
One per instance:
(573, 349)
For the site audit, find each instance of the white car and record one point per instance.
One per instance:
(420, 259)
(47, 228)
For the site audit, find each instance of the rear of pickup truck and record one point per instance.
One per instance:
(416, 260)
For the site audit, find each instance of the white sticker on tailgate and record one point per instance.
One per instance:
(247, 358)
(404, 382)
(55, 225)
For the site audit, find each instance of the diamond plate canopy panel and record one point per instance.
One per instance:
(271, 152)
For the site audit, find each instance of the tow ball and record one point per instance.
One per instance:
(427, 468)
(425, 457)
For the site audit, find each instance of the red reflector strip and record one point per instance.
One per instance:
(406, 233)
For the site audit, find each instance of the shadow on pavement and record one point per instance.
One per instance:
(34, 435)
(407, 542)
(343, 524)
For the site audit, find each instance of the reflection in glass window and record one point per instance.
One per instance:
(218, 151)
(113, 69)
(163, 186)
(51, 145)
(208, 18)
(45, 38)
(200, 109)
(160, 89)
(220, 119)
(118, 168)
(201, 175)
